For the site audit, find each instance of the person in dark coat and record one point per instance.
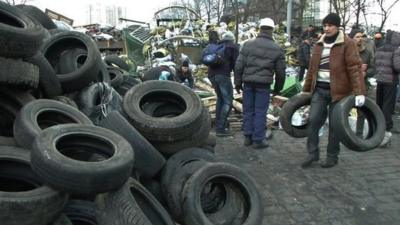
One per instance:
(379, 40)
(303, 55)
(334, 73)
(260, 62)
(387, 63)
(220, 78)
(160, 73)
(367, 56)
(309, 33)
(184, 74)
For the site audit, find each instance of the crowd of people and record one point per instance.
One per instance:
(335, 65)
(332, 64)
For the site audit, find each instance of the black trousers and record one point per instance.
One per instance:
(386, 100)
(301, 72)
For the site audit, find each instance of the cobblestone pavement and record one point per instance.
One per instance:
(363, 189)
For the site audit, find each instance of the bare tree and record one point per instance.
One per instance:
(360, 6)
(16, 2)
(196, 5)
(342, 7)
(386, 9)
(218, 7)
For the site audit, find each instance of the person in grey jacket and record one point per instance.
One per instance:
(387, 77)
(260, 61)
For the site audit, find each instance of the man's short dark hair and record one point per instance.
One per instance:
(266, 29)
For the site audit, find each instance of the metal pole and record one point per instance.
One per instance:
(289, 18)
(237, 21)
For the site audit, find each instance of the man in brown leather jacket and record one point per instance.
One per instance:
(334, 73)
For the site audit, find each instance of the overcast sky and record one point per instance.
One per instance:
(76, 9)
(143, 10)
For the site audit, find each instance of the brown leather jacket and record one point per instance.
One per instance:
(345, 68)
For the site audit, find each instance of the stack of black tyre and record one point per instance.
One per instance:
(83, 142)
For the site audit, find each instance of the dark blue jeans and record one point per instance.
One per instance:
(222, 85)
(255, 106)
(320, 102)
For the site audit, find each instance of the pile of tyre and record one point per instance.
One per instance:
(83, 142)
(339, 121)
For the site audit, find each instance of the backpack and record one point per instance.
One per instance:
(213, 55)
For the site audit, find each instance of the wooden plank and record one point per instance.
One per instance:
(238, 96)
(204, 86)
(279, 100)
(209, 101)
(237, 106)
(212, 109)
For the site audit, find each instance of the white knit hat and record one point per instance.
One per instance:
(267, 22)
(228, 36)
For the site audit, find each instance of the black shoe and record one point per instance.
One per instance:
(329, 162)
(309, 160)
(247, 141)
(259, 145)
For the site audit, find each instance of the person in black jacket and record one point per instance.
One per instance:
(220, 78)
(309, 33)
(184, 74)
(303, 55)
(259, 61)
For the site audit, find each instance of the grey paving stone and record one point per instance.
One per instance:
(363, 189)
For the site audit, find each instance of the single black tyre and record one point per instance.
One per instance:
(153, 185)
(173, 189)
(61, 157)
(228, 175)
(66, 100)
(341, 126)
(23, 197)
(81, 212)
(20, 35)
(116, 76)
(11, 101)
(148, 160)
(19, 73)
(128, 82)
(150, 206)
(49, 84)
(161, 128)
(90, 63)
(197, 139)
(73, 59)
(41, 114)
(116, 61)
(172, 184)
(38, 15)
(287, 111)
(120, 208)
(7, 141)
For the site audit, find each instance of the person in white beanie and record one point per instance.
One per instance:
(260, 62)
